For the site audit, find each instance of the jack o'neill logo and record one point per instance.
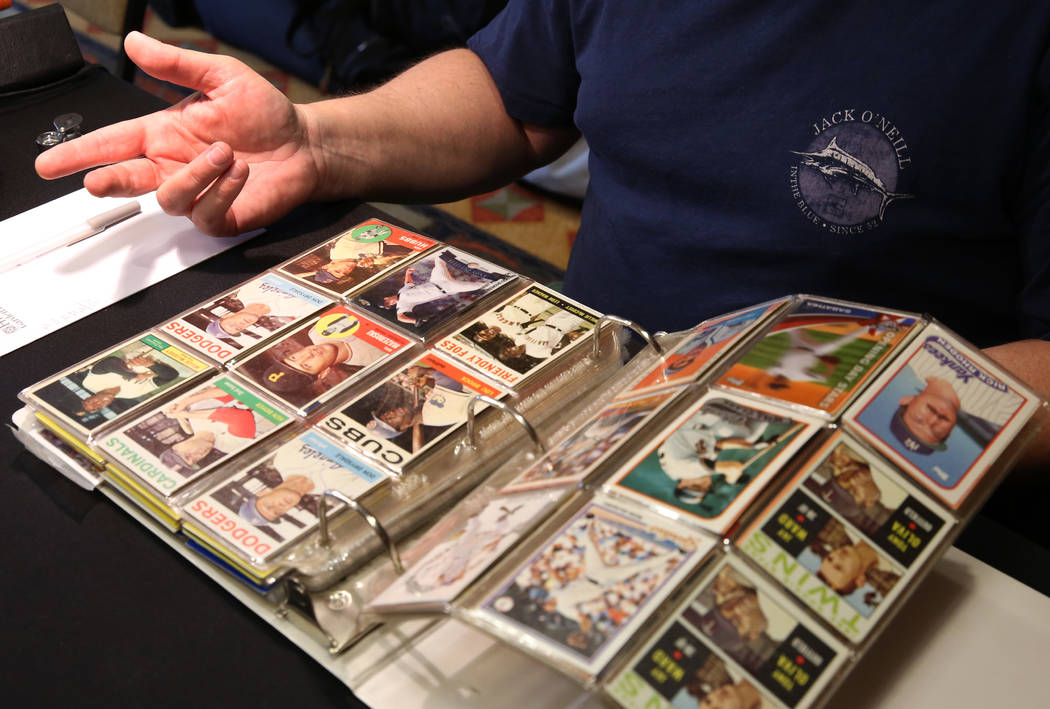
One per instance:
(847, 176)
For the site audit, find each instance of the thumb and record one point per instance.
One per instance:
(185, 67)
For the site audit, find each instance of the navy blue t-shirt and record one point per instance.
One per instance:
(893, 153)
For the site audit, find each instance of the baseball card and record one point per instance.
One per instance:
(943, 413)
(408, 413)
(244, 317)
(322, 358)
(428, 293)
(691, 357)
(115, 385)
(594, 582)
(573, 460)
(180, 442)
(735, 642)
(708, 465)
(274, 502)
(522, 335)
(820, 354)
(356, 257)
(845, 535)
(451, 566)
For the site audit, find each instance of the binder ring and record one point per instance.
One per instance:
(370, 519)
(629, 324)
(506, 408)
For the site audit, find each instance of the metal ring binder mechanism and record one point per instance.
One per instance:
(622, 322)
(506, 408)
(368, 517)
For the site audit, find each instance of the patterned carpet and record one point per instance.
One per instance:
(527, 227)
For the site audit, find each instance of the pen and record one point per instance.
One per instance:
(86, 229)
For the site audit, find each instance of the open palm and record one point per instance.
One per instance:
(232, 157)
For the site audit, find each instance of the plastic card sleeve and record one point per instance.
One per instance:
(706, 466)
(848, 536)
(944, 413)
(692, 355)
(430, 295)
(260, 508)
(244, 318)
(732, 638)
(53, 450)
(167, 448)
(87, 399)
(585, 583)
(818, 355)
(355, 258)
(524, 337)
(324, 359)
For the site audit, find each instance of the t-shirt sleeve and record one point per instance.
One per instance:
(1034, 302)
(528, 48)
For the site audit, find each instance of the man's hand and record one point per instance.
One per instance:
(232, 157)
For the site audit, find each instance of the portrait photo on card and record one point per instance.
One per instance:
(276, 500)
(411, 410)
(713, 459)
(427, 293)
(244, 317)
(322, 357)
(118, 382)
(356, 256)
(862, 488)
(819, 354)
(943, 414)
(829, 565)
(184, 439)
(680, 671)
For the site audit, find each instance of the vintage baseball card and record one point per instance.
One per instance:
(735, 642)
(573, 460)
(522, 335)
(273, 502)
(116, 384)
(408, 413)
(322, 358)
(428, 293)
(820, 354)
(700, 347)
(594, 582)
(244, 317)
(708, 465)
(943, 413)
(356, 257)
(451, 566)
(181, 441)
(846, 535)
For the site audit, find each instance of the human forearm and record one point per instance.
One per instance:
(439, 131)
(1030, 361)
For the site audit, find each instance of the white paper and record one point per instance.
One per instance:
(67, 284)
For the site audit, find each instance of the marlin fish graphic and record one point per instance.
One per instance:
(833, 161)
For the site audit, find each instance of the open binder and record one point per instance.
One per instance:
(738, 508)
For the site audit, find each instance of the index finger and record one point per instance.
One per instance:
(113, 143)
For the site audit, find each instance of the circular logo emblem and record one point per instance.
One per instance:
(847, 176)
(337, 326)
(370, 233)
